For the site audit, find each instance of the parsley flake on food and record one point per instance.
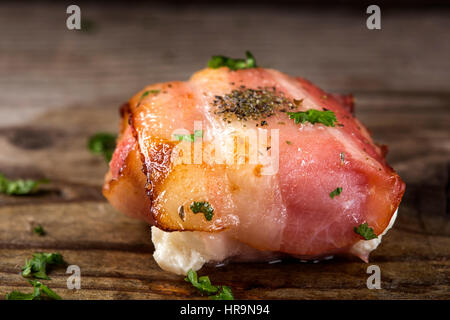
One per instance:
(102, 143)
(37, 266)
(146, 93)
(365, 231)
(327, 117)
(234, 64)
(19, 186)
(203, 207)
(40, 291)
(189, 137)
(204, 285)
(335, 192)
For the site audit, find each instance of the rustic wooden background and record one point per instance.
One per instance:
(58, 87)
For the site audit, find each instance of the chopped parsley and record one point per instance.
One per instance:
(204, 285)
(19, 186)
(288, 142)
(39, 230)
(327, 117)
(225, 293)
(365, 231)
(17, 295)
(88, 25)
(188, 137)
(37, 266)
(146, 93)
(335, 192)
(201, 283)
(102, 143)
(40, 291)
(234, 64)
(203, 207)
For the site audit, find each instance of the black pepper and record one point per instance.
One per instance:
(252, 104)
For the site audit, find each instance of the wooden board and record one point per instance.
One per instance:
(59, 87)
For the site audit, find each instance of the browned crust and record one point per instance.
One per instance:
(126, 192)
(156, 169)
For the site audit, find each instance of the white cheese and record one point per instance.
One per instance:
(178, 252)
(364, 247)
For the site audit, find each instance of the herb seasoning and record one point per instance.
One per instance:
(246, 104)
(203, 207)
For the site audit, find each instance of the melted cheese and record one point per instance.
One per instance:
(180, 251)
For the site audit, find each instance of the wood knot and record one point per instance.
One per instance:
(30, 138)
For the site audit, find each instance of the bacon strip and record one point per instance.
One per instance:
(290, 212)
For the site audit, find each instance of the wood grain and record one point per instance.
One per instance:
(59, 87)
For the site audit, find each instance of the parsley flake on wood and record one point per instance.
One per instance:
(204, 285)
(327, 117)
(234, 64)
(88, 25)
(40, 291)
(37, 266)
(225, 293)
(20, 186)
(17, 295)
(39, 230)
(335, 192)
(365, 231)
(201, 283)
(203, 207)
(102, 143)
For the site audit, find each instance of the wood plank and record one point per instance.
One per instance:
(113, 272)
(43, 65)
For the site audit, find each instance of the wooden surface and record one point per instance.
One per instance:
(59, 86)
